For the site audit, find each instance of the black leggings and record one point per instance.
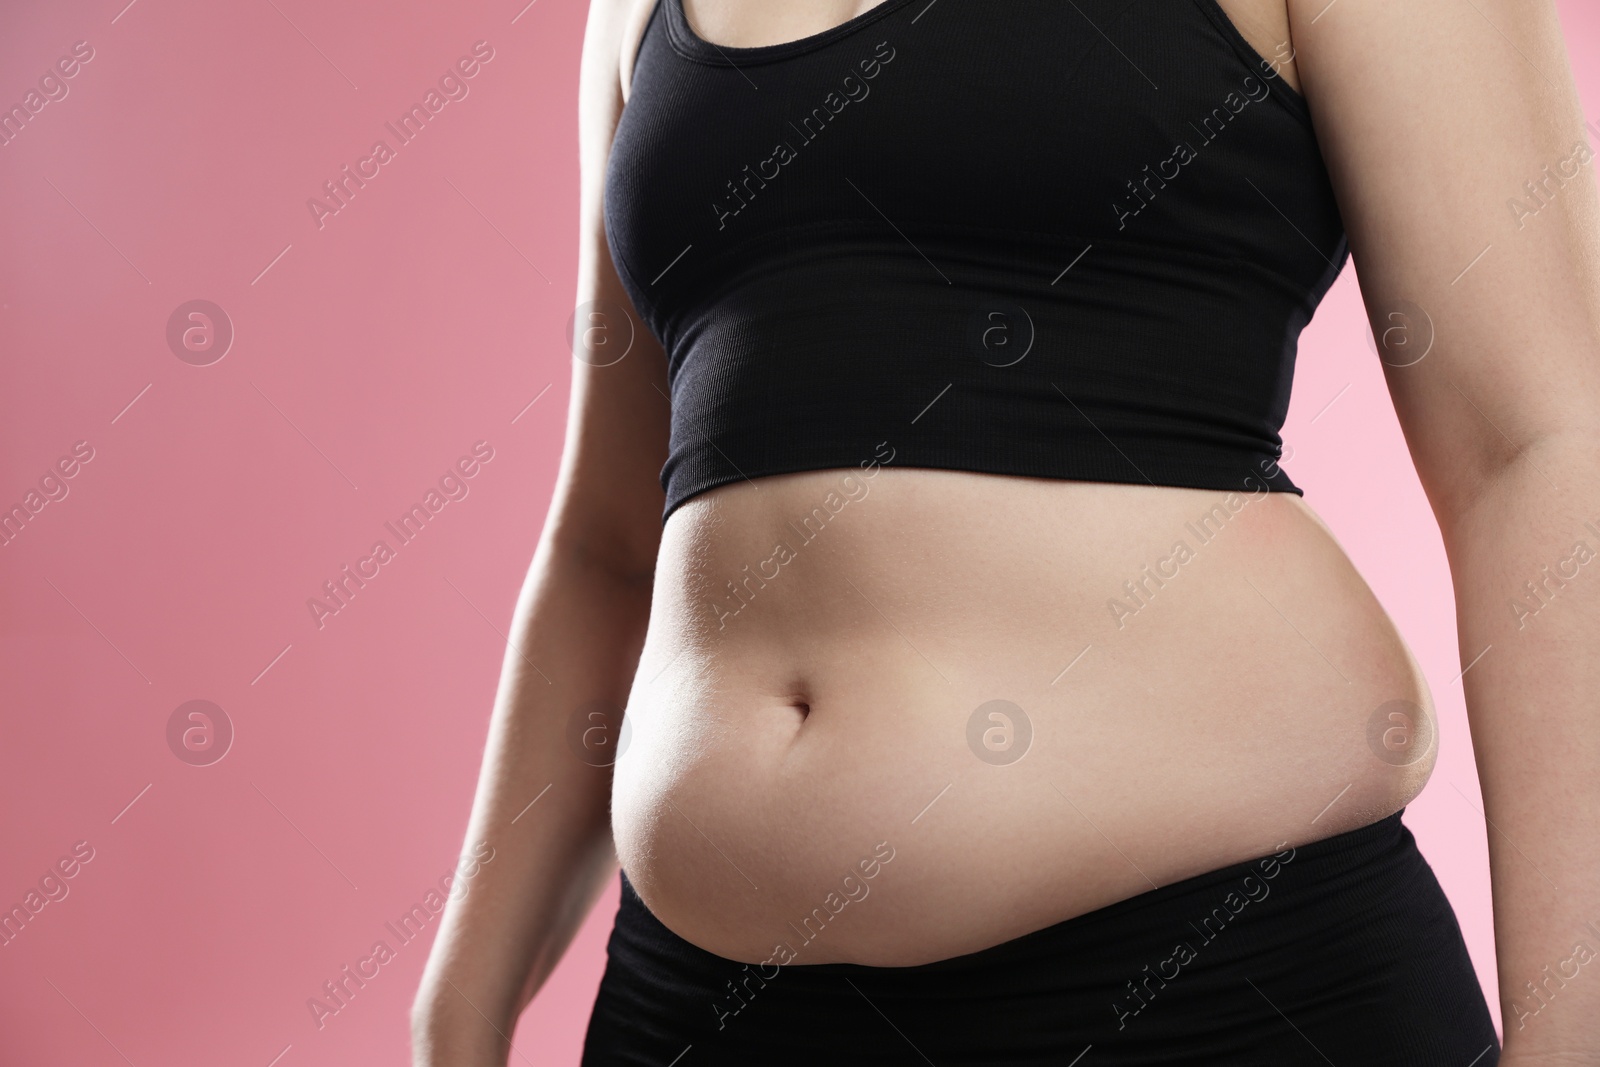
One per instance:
(1343, 952)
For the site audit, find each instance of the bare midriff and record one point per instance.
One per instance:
(894, 715)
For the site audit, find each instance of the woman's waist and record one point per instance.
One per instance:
(1023, 718)
(994, 574)
(738, 810)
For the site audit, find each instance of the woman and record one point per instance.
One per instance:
(992, 696)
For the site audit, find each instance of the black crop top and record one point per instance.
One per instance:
(1032, 237)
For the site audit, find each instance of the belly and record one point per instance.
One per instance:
(892, 719)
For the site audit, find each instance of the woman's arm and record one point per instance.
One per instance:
(1458, 149)
(579, 626)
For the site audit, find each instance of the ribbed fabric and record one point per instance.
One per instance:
(1032, 238)
(1345, 951)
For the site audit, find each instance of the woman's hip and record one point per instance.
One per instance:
(1341, 951)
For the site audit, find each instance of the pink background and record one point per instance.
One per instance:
(370, 354)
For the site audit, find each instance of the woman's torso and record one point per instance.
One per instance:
(1186, 677)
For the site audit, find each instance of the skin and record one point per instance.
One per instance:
(771, 750)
